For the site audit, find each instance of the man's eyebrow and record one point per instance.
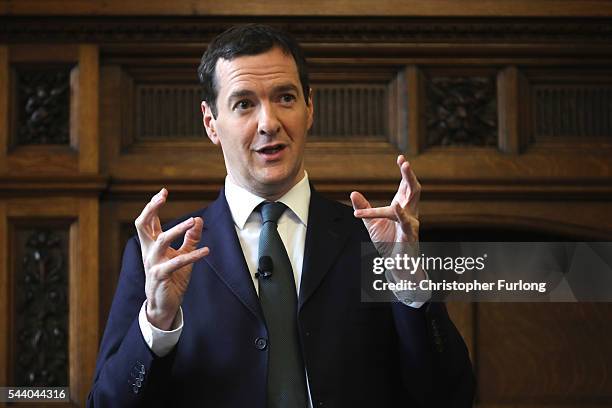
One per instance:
(243, 93)
(285, 88)
(240, 93)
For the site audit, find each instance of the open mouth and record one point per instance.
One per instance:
(272, 149)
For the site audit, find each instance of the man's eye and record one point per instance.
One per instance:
(287, 98)
(242, 105)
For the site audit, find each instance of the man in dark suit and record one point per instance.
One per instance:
(254, 301)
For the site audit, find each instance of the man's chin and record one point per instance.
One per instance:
(278, 182)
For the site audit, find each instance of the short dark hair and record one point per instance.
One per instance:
(249, 39)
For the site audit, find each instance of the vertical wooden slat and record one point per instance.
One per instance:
(84, 305)
(141, 104)
(4, 295)
(558, 123)
(510, 83)
(181, 110)
(602, 112)
(196, 126)
(146, 109)
(166, 111)
(346, 116)
(391, 117)
(4, 107)
(88, 94)
(415, 93)
(333, 124)
(608, 111)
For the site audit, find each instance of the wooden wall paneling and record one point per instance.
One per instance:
(416, 109)
(43, 158)
(570, 107)
(112, 120)
(401, 139)
(463, 315)
(199, 159)
(87, 96)
(85, 298)
(359, 8)
(512, 102)
(564, 345)
(39, 281)
(461, 106)
(128, 131)
(83, 216)
(397, 112)
(4, 106)
(572, 218)
(36, 53)
(130, 156)
(392, 114)
(5, 309)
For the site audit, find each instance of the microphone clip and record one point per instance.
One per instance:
(265, 267)
(263, 274)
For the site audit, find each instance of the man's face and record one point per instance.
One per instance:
(262, 121)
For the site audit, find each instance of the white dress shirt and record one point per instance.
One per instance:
(291, 228)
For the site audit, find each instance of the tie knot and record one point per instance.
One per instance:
(271, 211)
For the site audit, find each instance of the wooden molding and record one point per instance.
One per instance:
(409, 33)
(5, 301)
(87, 109)
(4, 106)
(442, 8)
(13, 186)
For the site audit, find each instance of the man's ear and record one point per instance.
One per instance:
(209, 123)
(310, 108)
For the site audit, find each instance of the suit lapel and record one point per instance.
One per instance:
(325, 237)
(226, 257)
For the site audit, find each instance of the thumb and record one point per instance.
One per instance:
(359, 201)
(193, 235)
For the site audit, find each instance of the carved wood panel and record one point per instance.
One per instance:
(461, 111)
(42, 105)
(40, 304)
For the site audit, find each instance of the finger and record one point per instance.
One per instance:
(359, 201)
(147, 221)
(415, 189)
(377, 212)
(401, 216)
(164, 239)
(193, 235)
(180, 261)
(156, 227)
(402, 191)
(408, 223)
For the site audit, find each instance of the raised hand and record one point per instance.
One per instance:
(167, 270)
(397, 222)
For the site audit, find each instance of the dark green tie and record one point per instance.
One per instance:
(277, 294)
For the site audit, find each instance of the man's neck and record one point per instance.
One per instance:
(273, 193)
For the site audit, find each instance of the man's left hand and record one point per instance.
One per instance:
(397, 222)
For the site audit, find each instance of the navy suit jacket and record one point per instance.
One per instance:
(356, 354)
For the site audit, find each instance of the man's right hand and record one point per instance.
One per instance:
(167, 270)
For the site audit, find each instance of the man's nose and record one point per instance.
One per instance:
(268, 121)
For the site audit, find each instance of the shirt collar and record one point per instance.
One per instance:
(242, 202)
